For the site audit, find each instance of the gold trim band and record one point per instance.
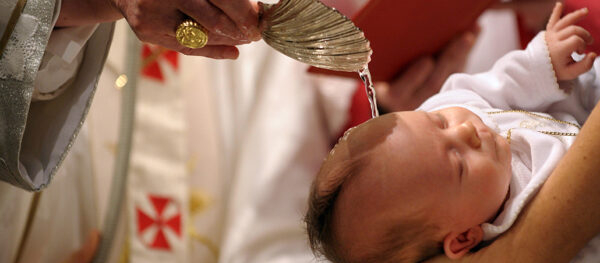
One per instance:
(35, 200)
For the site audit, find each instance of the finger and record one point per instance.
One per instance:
(211, 18)
(571, 18)
(575, 44)
(210, 51)
(452, 60)
(582, 66)
(151, 24)
(413, 77)
(216, 52)
(218, 40)
(243, 14)
(555, 16)
(394, 98)
(262, 23)
(475, 29)
(384, 98)
(576, 31)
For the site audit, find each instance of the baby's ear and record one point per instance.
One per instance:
(457, 245)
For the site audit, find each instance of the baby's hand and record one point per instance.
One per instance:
(564, 38)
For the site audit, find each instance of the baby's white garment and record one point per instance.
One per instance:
(521, 96)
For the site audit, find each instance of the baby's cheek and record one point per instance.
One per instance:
(494, 179)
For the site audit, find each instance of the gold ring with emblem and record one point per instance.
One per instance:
(191, 34)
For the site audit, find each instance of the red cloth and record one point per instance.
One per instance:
(400, 31)
(346, 7)
(403, 30)
(360, 110)
(151, 54)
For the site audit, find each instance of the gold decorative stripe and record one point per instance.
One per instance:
(12, 22)
(30, 217)
(535, 115)
(553, 133)
(124, 257)
(205, 241)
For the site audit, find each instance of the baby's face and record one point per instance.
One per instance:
(446, 166)
(462, 162)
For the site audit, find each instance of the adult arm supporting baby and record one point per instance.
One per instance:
(563, 216)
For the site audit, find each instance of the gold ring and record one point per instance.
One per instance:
(191, 34)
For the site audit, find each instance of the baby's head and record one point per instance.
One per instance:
(408, 185)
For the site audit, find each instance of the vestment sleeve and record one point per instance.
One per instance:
(35, 135)
(521, 79)
(61, 60)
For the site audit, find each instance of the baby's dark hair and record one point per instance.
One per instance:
(320, 212)
(411, 240)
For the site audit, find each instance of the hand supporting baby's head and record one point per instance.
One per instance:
(392, 189)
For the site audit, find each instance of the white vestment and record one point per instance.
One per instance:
(256, 131)
(38, 134)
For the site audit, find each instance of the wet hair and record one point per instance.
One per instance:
(410, 240)
(319, 216)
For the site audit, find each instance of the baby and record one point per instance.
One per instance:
(409, 185)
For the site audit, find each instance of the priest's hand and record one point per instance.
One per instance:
(228, 22)
(425, 76)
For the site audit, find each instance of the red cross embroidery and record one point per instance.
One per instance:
(162, 222)
(151, 56)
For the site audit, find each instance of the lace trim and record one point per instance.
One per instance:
(549, 61)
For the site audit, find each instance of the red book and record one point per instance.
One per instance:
(403, 30)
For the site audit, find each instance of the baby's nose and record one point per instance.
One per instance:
(468, 133)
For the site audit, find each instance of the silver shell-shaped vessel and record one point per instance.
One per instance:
(313, 33)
